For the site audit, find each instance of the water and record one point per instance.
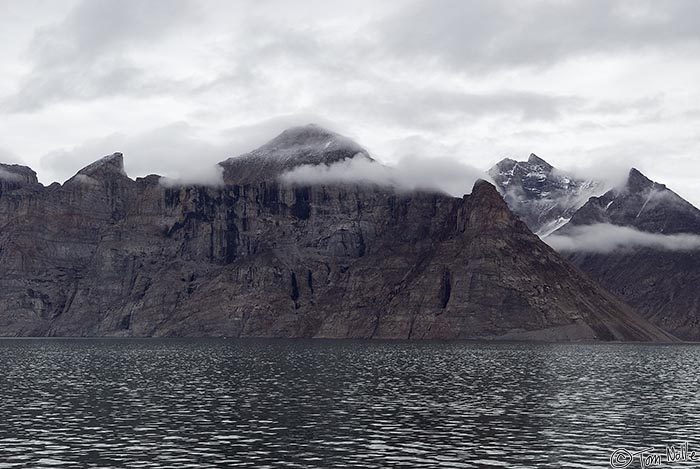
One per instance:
(218, 403)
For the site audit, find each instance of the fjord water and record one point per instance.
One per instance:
(273, 403)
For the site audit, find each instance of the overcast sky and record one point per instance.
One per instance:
(176, 84)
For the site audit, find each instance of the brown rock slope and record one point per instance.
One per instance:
(104, 255)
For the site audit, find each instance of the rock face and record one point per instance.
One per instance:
(542, 196)
(105, 255)
(660, 283)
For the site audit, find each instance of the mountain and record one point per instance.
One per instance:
(657, 275)
(105, 255)
(542, 196)
(641, 204)
(310, 144)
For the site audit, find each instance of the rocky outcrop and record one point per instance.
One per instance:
(105, 255)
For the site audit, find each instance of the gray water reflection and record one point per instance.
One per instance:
(217, 403)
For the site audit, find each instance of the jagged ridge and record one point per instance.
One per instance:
(124, 257)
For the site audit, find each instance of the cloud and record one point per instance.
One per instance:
(89, 54)
(175, 151)
(607, 175)
(606, 238)
(410, 173)
(208, 175)
(415, 107)
(574, 80)
(497, 34)
(7, 157)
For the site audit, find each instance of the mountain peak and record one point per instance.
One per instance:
(304, 145)
(485, 192)
(543, 198)
(108, 167)
(487, 209)
(506, 164)
(306, 132)
(536, 160)
(310, 137)
(107, 164)
(637, 182)
(642, 205)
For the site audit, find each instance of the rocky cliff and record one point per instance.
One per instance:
(105, 255)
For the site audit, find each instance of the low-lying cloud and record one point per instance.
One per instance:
(208, 175)
(410, 173)
(605, 238)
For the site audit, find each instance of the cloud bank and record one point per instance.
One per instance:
(571, 80)
(498, 34)
(89, 54)
(411, 173)
(605, 238)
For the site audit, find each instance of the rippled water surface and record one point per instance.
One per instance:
(218, 403)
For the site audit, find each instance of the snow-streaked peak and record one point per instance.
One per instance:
(535, 160)
(544, 197)
(641, 204)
